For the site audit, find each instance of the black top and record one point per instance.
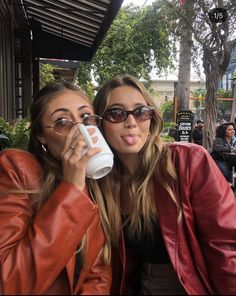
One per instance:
(220, 146)
(150, 248)
(197, 135)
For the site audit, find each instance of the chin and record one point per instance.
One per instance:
(130, 150)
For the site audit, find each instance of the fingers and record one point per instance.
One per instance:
(75, 138)
(77, 148)
(75, 145)
(75, 156)
(74, 167)
(91, 130)
(72, 139)
(90, 153)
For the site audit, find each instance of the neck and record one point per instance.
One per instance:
(228, 139)
(130, 163)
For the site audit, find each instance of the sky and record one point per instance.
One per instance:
(137, 2)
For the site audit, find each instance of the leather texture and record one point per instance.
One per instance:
(202, 247)
(37, 254)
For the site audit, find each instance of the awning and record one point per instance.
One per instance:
(68, 29)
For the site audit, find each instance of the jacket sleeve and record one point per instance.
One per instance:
(95, 278)
(98, 279)
(219, 146)
(214, 209)
(34, 251)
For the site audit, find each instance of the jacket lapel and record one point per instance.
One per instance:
(70, 268)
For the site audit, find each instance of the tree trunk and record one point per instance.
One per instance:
(233, 111)
(185, 56)
(214, 67)
(216, 56)
(210, 117)
(211, 104)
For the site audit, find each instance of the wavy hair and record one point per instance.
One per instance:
(51, 166)
(221, 129)
(52, 169)
(155, 164)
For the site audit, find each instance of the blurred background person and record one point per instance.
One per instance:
(224, 142)
(198, 133)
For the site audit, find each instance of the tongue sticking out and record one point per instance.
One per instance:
(131, 139)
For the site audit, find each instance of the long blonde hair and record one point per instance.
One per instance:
(52, 169)
(155, 163)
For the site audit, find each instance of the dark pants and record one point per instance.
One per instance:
(160, 279)
(226, 169)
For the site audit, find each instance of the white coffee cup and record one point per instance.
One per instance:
(100, 164)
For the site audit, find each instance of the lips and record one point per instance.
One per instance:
(130, 139)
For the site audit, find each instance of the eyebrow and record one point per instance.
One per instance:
(123, 106)
(67, 110)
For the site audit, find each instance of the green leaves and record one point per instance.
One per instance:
(18, 132)
(138, 40)
(46, 74)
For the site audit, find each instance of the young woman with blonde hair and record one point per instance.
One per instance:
(52, 237)
(171, 214)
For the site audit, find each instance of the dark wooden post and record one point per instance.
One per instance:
(26, 73)
(36, 80)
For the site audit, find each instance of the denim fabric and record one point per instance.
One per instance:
(225, 168)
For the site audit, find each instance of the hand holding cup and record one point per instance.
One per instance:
(100, 164)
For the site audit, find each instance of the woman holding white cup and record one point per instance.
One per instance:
(100, 164)
(51, 227)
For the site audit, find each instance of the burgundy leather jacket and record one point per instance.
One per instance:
(37, 254)
(202, 247)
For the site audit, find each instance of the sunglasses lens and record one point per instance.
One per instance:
(115, 115)
(63, 126)
(92, 120)
(143, 113)
(119, 115)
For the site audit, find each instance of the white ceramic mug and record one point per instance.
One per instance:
(100, 164)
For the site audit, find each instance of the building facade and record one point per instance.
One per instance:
(30, 30)
(164, 89)
(226, 81)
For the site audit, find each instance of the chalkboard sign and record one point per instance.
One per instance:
(184, 120)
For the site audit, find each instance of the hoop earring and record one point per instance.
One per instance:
(44, 147)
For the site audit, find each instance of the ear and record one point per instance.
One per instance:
(41, 139)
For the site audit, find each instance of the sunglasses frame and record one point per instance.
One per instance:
(96, 118)
(132, 112)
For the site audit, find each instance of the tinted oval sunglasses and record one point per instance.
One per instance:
(63, 125)
(118, 114)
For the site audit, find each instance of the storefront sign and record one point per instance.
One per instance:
(184, 120)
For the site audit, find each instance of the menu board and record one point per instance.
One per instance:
(184, 120)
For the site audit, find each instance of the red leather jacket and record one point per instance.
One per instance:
(202, 247)
(37, 254)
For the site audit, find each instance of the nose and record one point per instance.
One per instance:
(130, 121)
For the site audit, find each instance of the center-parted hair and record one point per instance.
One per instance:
(52, 168)
(155, 164)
